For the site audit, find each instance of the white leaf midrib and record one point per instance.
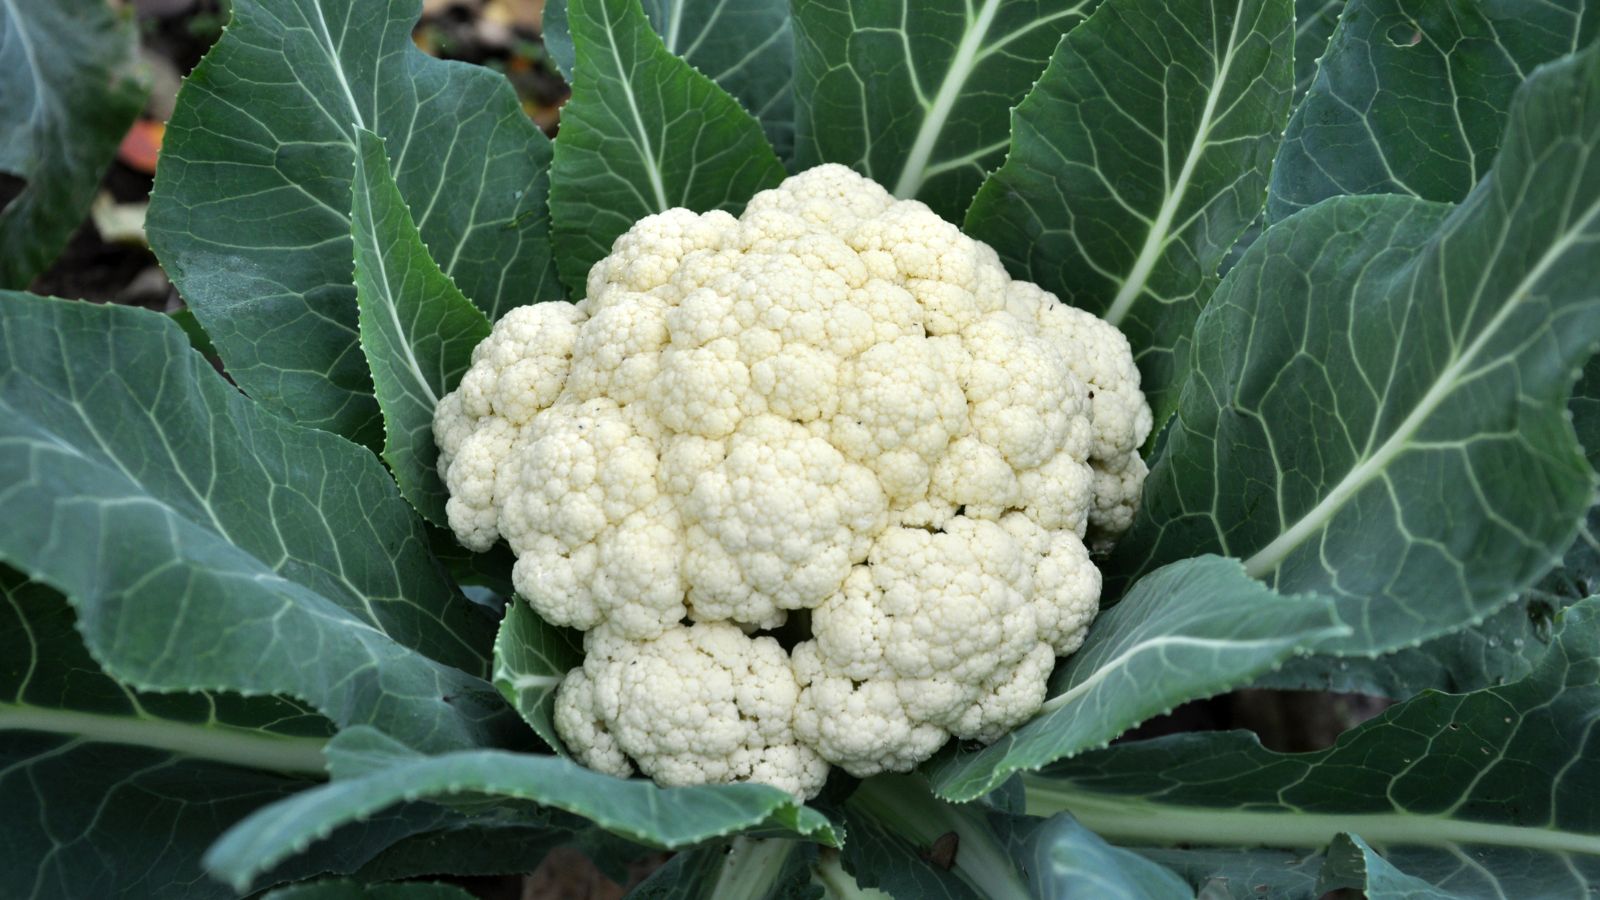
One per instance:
(1266, 560)
(1141, 820)
(218, 743)
(1155, 243)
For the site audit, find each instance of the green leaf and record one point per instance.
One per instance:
(530, 659)
(69, 94)
(417, 330)
(746, 46)
(1190, 630)
(111, 792)
(1391, 430)
(1412, 97)
(911, 844)
(1065, 859)
(468, 848)
(1355, 866)
(1480, 794)
(1245, 874)
(643, 133)
(207, 544)
(377, 778)
(250, 212)
(1135, 165)
(1314, 21)
(772, 869)
(198, 339)
(342, 889)
(916, 95)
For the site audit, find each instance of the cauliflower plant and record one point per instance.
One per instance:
(834, 403)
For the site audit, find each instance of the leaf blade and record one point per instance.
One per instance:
(1164, 172)
(1429, 346)
(250, 210)
(621, 159)
(417, 330)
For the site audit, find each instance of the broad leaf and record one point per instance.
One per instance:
(1480, 794)
(916, 95)
(1065, 859)
(1377, 407)
(206, 543)
(1246, 874)
(744, 868)
(250, 213)
(379, 777)
(1314, 21)
(417, 330)
(910, 844)
(1355, 866)
(643, 133)
(1412, 96)
(1192, 629)
(746, 46)
(1135, 165)
(530, 659)
(94, 775)
(68, 96)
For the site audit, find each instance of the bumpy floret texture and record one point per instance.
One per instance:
(837, 403)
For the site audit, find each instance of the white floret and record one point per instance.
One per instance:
(700, 705)
(834, 402)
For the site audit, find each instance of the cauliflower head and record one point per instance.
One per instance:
(835, 403)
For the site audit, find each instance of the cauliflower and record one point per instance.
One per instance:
(835, 403)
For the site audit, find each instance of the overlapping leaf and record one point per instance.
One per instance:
(530, 659)
(250, 213)
(1376, 410)
(94, 774)
(69, 94)
(643, 133)
(1314, 21)
(208, 544)
(756, 869)
(916, 95)
(1137, 162)
(1065, 859)
(1190, 630)
(1412, 96)
(1480, 794)
(417, 330)
(380, 777)
(1354, 865)
(746, 46)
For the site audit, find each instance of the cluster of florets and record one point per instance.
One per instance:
(835, 403)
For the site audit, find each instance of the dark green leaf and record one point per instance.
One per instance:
(911, 844)
(468, 848)
(643, 133)
(417, 330)
(374, 775)
(1136, 163)
(1377, 407)
(1412, 96)
(1314, 21)
(198, 339)
(1065, 859)
(916, 95)
(743, 868)
(1354, 865)
(250, 213)
(207, 544)
(1189, 630)
(746, 46)
(1248, 874)
(530, 659)
(110, 792)
(1480, 794)
(68, 96)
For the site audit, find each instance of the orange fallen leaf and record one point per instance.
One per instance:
(141, 146)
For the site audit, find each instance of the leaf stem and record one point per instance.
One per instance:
(218, 743)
